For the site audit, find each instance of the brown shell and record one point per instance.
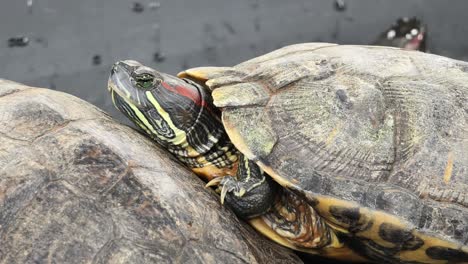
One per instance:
(77, 187)
(376, 138)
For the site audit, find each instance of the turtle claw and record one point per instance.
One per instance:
(223, 193)
(224, 184)
(229, 185)
(214, 182)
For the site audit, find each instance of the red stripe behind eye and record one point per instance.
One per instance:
(189, 93)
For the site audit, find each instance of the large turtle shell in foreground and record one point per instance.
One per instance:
(77, 187)
(375, 138)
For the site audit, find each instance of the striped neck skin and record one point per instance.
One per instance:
(176, 113)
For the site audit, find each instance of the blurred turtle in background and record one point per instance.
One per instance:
(406, 33)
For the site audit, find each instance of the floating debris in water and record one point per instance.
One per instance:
(42, 41)
(229, 27)
(158, 57)
(20, 41)
(156, 27)
(52, 80)
(254, 4)
(154, 5)
(340, 5)
(257, 24)
(138, 7)
(97, 59)
(185, 65)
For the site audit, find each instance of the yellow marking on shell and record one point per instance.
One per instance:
(366, 217)
(448, 168)
(202, 73)
(338, 228)
(419, 255)
(335, 251)
(377, 218)
(332, 134)
(180, 135)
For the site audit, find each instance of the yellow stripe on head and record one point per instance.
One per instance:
(180, 135)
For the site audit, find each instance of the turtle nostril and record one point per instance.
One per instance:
(120, 66)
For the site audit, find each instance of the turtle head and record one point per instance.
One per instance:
(164, 106)
(176, 113)
(407, 33)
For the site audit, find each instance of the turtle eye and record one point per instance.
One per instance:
(145, 80)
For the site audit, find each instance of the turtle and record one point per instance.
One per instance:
(78, 187)
(350, 152)
(407, 33)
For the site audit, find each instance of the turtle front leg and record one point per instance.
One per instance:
(276, 212)
(251, 193)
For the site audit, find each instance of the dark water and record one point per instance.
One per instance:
(71, 45)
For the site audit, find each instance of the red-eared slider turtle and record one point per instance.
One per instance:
(367, 146)
(407, 33)
(77, 187)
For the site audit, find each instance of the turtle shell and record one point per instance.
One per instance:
(375, 138)
(78, 187)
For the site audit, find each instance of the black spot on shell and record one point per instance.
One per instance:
(311, 200)
(345, 215)
(343, 97)
(372, 251)
(396, 235)
(351, 217)
(444, 253)
(341, 94)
